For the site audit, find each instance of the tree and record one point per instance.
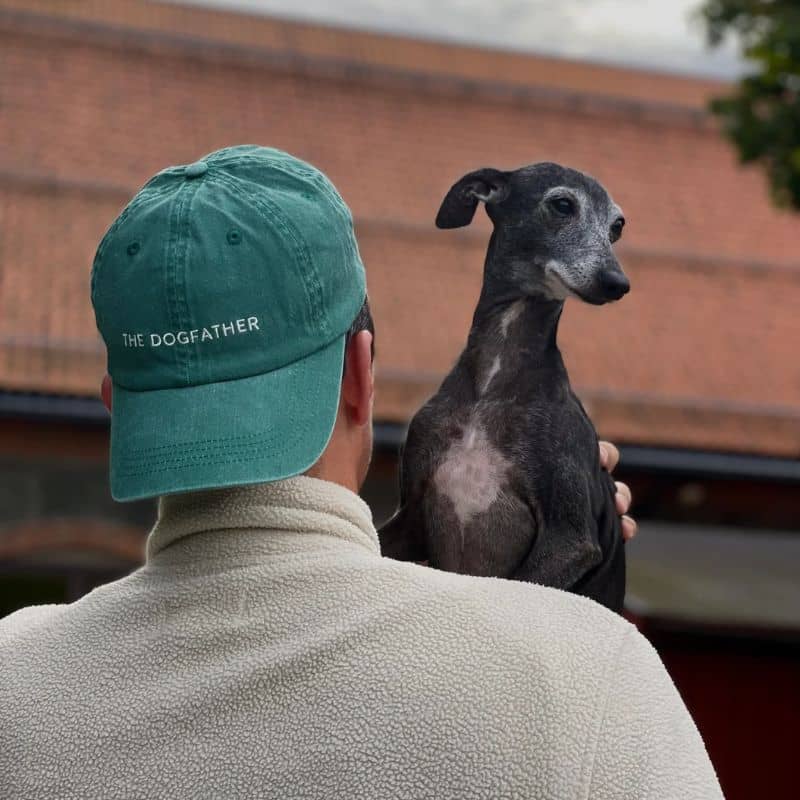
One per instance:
(762, 115)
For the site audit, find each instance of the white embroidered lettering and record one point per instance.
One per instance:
(170, 338)
(133, 339)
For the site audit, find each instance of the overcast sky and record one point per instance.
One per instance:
(653, 33)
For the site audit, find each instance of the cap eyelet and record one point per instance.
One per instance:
(234, 236)
(133, 248)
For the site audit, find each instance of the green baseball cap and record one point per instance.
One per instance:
(223, 292)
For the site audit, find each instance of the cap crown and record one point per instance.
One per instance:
(231, 267)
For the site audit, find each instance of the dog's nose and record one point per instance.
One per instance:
(614, 284)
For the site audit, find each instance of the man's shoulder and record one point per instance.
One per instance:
(524, 618)
(518, 602)
(25, 620)
(537, 662)
(38, 626)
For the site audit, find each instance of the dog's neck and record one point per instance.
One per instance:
(512, 334)
(527, 324)
(512, 338)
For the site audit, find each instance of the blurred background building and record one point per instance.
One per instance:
(695, 374)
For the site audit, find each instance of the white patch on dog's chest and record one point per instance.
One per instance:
(472, 473)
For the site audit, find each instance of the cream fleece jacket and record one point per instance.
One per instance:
(266, 649)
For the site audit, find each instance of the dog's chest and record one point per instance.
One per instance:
(497, 419)
(472, 473)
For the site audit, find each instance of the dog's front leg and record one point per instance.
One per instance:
(605, 583)
(566, 547)
(561, 557)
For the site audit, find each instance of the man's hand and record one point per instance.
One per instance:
(609, 458)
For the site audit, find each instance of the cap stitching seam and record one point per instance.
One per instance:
(185, 354)
(209, 456)
(244, 438)
(269, 209)
(176, 463)
(271, 161)
(201, 453)
(315, 176)
(168, 276)
(197, 462)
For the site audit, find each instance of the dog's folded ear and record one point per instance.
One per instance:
(458, 207)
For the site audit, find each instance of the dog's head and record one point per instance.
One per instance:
(554, 228)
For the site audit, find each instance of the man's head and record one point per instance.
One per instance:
(226, 293)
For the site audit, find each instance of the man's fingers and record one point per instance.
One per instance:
(623, 497)
(629, 527)
(609, 456)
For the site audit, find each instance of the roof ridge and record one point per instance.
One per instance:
(381, 50)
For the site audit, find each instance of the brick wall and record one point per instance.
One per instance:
(97, 96)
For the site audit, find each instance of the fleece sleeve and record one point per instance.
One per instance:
(648, 747)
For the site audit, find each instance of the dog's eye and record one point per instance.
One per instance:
(616, 228)
(563, 206)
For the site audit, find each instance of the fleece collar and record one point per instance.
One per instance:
(300, 504)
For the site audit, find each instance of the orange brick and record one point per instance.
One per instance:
(99, 95)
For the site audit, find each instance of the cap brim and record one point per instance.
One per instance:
(252, 430)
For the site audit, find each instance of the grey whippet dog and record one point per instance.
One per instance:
(500, 472)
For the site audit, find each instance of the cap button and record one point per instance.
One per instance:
(196, 170)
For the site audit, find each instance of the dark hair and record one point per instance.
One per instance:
(362, 322)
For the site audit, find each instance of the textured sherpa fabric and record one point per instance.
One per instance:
(266, 649)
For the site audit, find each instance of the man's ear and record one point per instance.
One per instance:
(106, 391)
(458, 207)
(357, 382)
